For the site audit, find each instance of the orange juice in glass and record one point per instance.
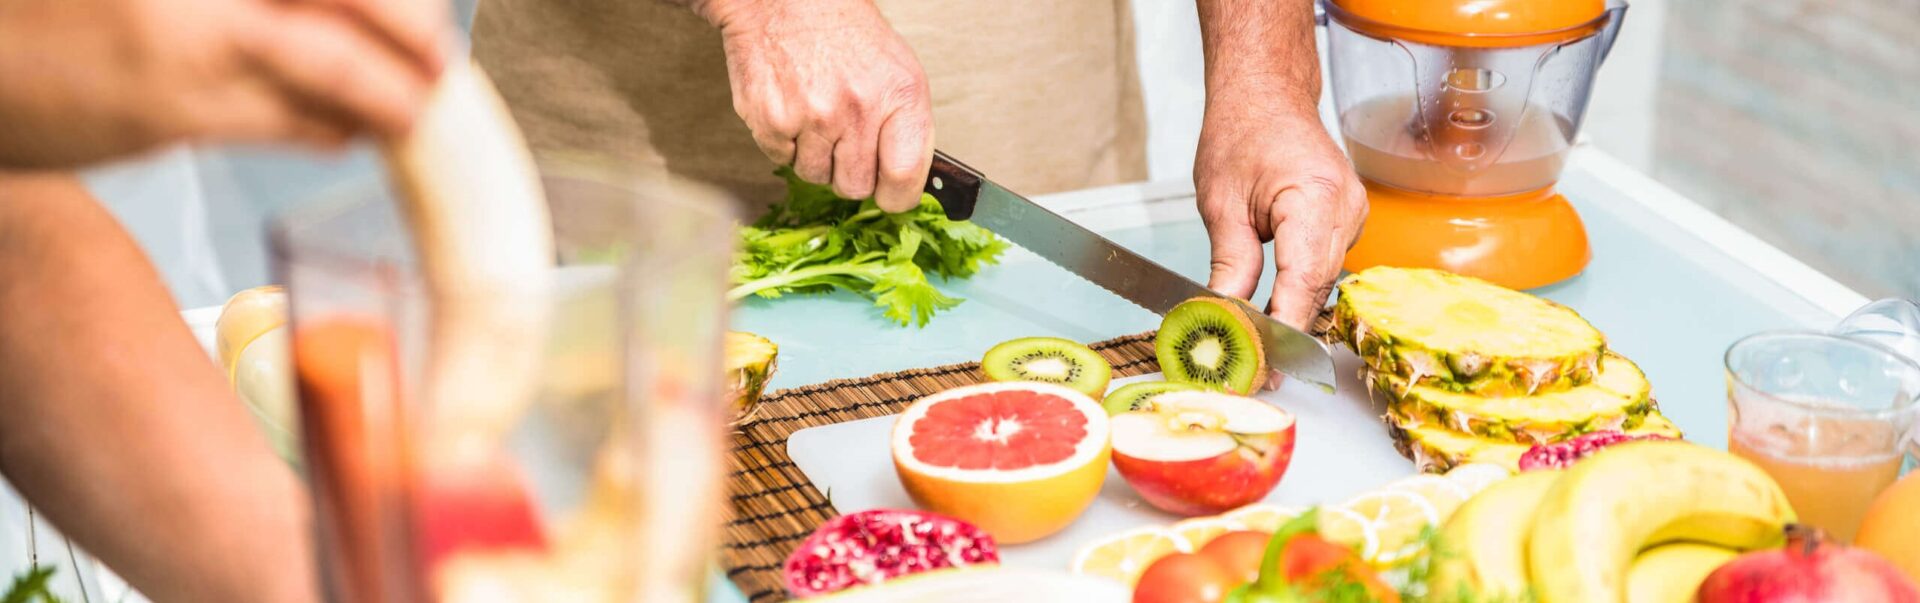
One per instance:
(1826, 416)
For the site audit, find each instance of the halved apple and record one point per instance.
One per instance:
(1203, 453)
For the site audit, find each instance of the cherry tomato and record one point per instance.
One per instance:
(1184, 578)
(1238, 552)
(1307, 559)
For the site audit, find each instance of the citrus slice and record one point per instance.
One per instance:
(1199, 531)
(1477, 476)
(1344, 526)
(1124, 556)
(1021, 460)
(1263, 517)
(1445, 495)
(1396, 518)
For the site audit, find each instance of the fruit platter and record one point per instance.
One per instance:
(1489, 446)
(1481, 444)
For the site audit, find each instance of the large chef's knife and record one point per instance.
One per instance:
(967, 195)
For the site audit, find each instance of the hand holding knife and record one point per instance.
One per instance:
(966, 194)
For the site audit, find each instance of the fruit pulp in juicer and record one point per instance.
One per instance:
(1831, 468)
(1389, 147)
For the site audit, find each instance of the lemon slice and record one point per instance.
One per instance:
(1262, 517)
(1199, 531)
(1444, 494)
(1477, 476)
(1396, 519)
(1341, 525)
(1124, 556)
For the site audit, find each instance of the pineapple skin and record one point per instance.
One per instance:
(1463, 371)
(750, 361)
(1437, 450)
(1538, 419)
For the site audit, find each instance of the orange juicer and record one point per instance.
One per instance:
(1458, 115)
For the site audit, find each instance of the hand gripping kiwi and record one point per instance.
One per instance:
(480, 224)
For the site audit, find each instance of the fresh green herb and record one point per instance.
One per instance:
(816, 242)
(31, 587)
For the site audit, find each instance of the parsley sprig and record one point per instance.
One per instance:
(816, 242)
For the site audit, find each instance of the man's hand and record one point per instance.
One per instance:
(1266, 168)
(90, 80)
(828, 87)
(1276, 176)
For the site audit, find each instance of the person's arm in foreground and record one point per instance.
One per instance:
(1266, 168)
(114, 423)
(829, 88)
(94, 80)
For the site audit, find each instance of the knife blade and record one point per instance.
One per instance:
(966, 194)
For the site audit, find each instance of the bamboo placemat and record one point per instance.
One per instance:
(775, 506)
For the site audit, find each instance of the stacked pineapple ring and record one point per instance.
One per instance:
(1472, 371)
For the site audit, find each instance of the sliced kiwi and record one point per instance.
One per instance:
(1139, 396)
(1210, 342)
(1049, 360)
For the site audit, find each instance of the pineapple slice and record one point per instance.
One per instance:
(1463, 334)
(749, 364)
(1618, 399)
(1435, 449)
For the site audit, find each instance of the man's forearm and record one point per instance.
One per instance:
(1262, 48)
(116, 425)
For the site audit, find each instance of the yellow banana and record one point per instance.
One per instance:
(1623, 499)
(1672, 573)
(1483, 547)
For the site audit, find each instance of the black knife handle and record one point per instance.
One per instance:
(954, 184)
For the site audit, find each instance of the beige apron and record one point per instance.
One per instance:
(1041, 95)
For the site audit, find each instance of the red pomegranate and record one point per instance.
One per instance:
(1564, 454)
(874, 546)
(1809, 569)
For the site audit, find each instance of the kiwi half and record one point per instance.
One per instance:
(1049, 360)
(1209, 342)
(1139, 396)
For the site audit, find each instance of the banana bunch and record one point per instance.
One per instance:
(1639, 522)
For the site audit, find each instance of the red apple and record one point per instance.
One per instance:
(1203, 453)
(1808, 570)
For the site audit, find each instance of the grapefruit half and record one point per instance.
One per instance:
(1021, 460)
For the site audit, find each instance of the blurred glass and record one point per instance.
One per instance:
(607, 486)
(1825, 415)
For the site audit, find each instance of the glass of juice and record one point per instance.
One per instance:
(588, 467)
(1825, 415)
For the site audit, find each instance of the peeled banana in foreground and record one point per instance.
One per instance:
(472, 198)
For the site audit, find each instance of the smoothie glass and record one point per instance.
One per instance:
(1827, 416)
(604, 486)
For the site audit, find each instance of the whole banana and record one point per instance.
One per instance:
(1609, 507)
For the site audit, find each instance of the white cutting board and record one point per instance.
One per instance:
(1342, 450)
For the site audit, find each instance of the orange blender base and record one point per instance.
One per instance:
(1518, 241)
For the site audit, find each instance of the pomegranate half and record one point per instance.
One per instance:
(874, 546)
